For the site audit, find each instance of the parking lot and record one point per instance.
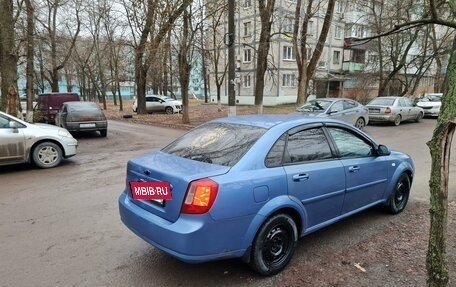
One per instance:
(60, 227)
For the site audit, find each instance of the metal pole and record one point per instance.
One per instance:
(231, 60)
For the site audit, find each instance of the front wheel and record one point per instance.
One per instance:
(274, 245)
(47, 155)
(169, 110)
(400, 195)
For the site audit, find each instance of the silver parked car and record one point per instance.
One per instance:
(156, 103)
(342, 109)
(431, 104)
(44, 145)
(394, 110)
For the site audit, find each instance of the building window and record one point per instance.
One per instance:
(247, 55)
(247, 29)
(288, 80)
(247, 3)
(309, 54)
(288, 53)
(310, 28)
(321, 64)
(288, 25)
(336, 57)
(246, 81)
(339, 8)
(339, 32)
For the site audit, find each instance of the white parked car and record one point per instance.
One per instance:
(155, 103)
(42, 144)
(431, 104)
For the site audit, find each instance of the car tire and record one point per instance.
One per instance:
(104, 133)
(360, 123)
(169, 110)
(274, 245)
(47, 155)
(400, 195)
(419, 117)
(397, 120)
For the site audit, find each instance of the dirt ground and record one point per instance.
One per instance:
(396, 257)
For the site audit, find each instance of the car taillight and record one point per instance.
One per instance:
(200, 196)
(388, 110)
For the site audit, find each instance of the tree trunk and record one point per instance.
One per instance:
(440, 147)
(8, 56)
(30, 60)
(266, 13)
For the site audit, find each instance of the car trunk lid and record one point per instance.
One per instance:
(177, 171)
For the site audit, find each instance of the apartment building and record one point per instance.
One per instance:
(344, 68)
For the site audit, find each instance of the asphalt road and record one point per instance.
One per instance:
(60, 227)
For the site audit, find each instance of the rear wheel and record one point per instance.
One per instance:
(397, 120)
(103, 133)
(419, 117)
(360, 123)
(46, 155)
(274, 245)
(169, 110)
(400, 195)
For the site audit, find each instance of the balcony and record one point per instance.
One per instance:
(353, 67)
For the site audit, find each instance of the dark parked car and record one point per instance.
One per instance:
(82, 117)
(48, 104)
(249, 186)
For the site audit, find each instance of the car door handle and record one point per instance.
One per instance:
(353, 168)
(300, 177)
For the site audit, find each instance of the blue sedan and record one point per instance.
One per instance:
(250, 186)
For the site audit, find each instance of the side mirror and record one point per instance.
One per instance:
(383, 150)
(13, 125)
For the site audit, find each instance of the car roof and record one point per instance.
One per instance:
(270, 120)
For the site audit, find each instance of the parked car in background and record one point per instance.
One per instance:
(156, 103)
(394, 110)
(49, 104)
(342, 109)
(42, 144)
(431, 104)
(23, 100)
(82, 117)
(248, 186)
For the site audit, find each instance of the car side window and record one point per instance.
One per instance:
(149, 99)
(408, 102)
(349, 105)
(402, 102)
(349, 144)
(337, 106)
(4, 123)
(307, 145)
(275, 155)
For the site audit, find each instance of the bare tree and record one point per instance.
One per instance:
(58, 37)
(8, 52)
(306, 69)
(215, 46)
(266, 8)
(151, 19)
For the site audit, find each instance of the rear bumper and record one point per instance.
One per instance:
(381, 118)
(192, 238)
(76, 126)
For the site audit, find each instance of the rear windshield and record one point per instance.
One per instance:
(217, 143)
(382, 101)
